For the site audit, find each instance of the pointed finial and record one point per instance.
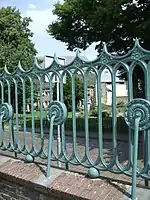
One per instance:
(19, 64)
(55, 58)
(78, 51)
(5, 68)
(136, 41)
(104, 47)
(35, 61)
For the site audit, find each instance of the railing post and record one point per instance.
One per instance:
(56, 114)
(137, 117)
(58, 128)
(135, 155)
(13, 136)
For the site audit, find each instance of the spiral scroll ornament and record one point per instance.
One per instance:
(59, 110)
(6, 112)
(138, 108)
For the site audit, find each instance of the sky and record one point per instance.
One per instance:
(40, 12)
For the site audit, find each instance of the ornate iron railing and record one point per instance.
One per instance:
(19, 89)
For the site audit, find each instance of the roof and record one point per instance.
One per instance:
(69, 59)
(105, 78)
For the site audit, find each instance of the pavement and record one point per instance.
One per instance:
(92, 135)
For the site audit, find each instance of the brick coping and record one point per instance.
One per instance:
(67, 185)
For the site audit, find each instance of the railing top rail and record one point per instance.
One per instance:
(105, 57)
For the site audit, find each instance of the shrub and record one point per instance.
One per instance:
(105, 114)
(121, 104)
(80, 124)
(94, 113)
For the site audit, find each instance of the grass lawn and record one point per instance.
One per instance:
(69, 114)
(37, 115)
(29, 115)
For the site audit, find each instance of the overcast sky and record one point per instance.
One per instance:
(41, 13)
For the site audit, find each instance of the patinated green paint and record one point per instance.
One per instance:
(137, 112)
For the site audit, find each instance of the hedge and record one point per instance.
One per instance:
(80, 124)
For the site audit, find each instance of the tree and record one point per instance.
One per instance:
(15, 45)
(81, 22)
(116, 22)
(15, 39)
(67, 91)
(40, 61)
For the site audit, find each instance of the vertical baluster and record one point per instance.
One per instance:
(50, 142)
(114, 119)
(32, 112)
(10, 121)
(58, 127)
(2, 82)
(86, 116)
(2, 90)
(135, 157)
(147, 132)
(130, 97)
(62, 128)
(15, 135)
(24, 113)
(41, 108)
(16, 109)
(74, 131)
(100, 130)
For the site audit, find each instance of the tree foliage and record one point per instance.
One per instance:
(81, 22)
(117, 22)
(15, 45)
(15, 39)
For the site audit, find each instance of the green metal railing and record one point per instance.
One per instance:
(22, 88)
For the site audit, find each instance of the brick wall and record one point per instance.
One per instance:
(12, 191)
(22, 181)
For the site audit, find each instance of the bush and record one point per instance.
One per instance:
(94, 113)
(105, 114)
(120, 104)
(80, 124)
